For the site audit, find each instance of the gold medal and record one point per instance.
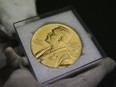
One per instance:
(56, 45)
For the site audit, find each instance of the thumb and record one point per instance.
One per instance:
(22, 78)
(90, 78)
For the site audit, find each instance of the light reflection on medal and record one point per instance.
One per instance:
(56, 45)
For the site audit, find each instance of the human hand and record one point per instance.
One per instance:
(90, 78)
(12, 11)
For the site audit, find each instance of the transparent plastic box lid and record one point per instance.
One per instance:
(91, 50)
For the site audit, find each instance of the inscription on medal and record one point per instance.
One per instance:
(56, 45)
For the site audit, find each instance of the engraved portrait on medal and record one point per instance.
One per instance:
(56, 45)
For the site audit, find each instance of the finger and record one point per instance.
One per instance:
(15, 60)
(22, 78)
(90, 78)
(12, 57)
(9, 52)
(23, 62)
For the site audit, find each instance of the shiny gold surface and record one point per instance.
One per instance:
(56, 45)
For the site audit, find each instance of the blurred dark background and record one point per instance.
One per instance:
(99, 16)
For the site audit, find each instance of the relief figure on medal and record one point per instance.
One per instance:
(56, 45)
(56, 54)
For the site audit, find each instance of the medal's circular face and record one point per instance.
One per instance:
(56, 45)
